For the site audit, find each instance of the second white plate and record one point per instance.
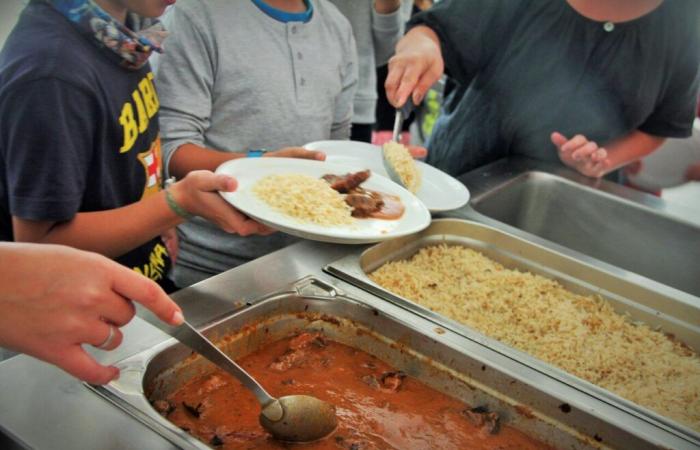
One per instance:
(438, 192)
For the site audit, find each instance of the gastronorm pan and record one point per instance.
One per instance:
(445, 361)
(668, 309)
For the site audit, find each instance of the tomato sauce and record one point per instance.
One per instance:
(376, 406)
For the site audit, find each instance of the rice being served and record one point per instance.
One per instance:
(304, 197)
(404, 165)
(581, 334)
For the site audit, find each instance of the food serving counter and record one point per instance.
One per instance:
(45, 408)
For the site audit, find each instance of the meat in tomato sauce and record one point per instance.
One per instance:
(377, 407)
(364, 202)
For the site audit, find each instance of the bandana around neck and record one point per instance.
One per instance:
(133, 44)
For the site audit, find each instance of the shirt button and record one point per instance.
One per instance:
(299, 55)
(302, 81)
(294, 29)
(608, 26)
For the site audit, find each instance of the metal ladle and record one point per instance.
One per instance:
(293, 418)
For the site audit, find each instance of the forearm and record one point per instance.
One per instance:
(386, 6)
(630, 148)
(387, 29)
(111, 233)
(189, 157)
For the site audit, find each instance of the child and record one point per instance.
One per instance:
(240, 76)
(80, 153)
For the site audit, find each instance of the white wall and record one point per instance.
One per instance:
(9, 12)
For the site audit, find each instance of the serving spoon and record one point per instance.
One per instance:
(401, 115)
(292, 418)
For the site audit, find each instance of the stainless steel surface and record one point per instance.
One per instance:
(651, 303)
(602, 220)
(444, 360)
(398, 123)
(44, 408)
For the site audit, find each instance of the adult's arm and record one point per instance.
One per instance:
(53, 299)
(592, 160)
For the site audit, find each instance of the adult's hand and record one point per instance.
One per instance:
(53, 299)
(582, 155)
(198, 194)
(297, 152)
(415, 67)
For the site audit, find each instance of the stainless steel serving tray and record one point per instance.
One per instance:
(440, 358)
(643, 300)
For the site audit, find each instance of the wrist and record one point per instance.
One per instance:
(175, 197)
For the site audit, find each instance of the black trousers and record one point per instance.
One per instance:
(361, 132)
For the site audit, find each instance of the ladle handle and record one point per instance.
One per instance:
(192, 338)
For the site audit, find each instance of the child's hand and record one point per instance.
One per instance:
(198, 194)
(581, 154)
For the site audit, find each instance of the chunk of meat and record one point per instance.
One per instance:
(481, 417)
(346, 183)
(164, 407)
(364, 203)
(297, 354)
(392, 380)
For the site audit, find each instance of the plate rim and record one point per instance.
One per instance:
(422, 164)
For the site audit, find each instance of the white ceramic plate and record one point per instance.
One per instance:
(249, 170)
(439, 191)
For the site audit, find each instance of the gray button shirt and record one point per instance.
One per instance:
(233, 78)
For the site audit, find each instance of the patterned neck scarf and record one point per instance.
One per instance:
(133, 44)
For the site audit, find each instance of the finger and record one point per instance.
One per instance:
(408, 83)
(426, 81)
(138, 288)
(417, 151)
(574, 143)
(585, 151)
(78, 363)
(558, 139)
(393, 80)
(116, 309)
(209, 182)
(602, 154)
(298, 152)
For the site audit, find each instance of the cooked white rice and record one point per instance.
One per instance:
(404, 165)
(305, 198)
(581, 334)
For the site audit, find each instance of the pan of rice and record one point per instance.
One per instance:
(584, 325)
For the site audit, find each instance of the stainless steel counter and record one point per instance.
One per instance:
(42, 407)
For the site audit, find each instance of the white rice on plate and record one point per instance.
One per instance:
(304, 197)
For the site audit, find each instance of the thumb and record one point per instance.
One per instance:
(209, 182)
(558, 139)
(78, 363)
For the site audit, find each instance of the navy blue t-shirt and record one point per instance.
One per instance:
(78, 132)
(530, 67)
